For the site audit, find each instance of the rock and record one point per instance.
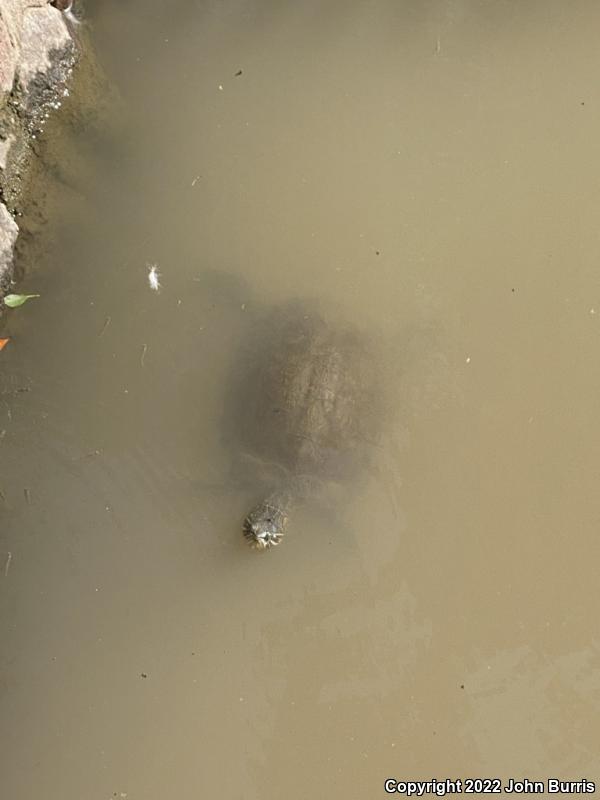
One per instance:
(5, 145)
(8, 58)
(37, 54)
(8, 237)
(47, 55)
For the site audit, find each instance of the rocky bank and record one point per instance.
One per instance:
(38, 51)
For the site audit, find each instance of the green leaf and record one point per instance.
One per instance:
(15, 300)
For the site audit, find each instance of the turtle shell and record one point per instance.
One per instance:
(312, 399)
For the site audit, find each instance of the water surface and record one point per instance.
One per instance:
(428, 173)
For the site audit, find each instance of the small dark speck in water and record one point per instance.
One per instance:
(238, 73)
(144, 674)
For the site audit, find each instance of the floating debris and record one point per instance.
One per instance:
(7, 563)
(15, 300)
(238, 73)
(27, 494)
(66, 6)
(89, 454)
(3, 343)
(153, 277)
(105, 326)
(143, 356)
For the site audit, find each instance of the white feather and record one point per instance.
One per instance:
(153, 277)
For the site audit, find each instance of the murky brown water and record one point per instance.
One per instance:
(430, 172)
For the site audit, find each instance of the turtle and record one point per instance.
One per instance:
(309, 414)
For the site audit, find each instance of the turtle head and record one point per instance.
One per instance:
(265, 525)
